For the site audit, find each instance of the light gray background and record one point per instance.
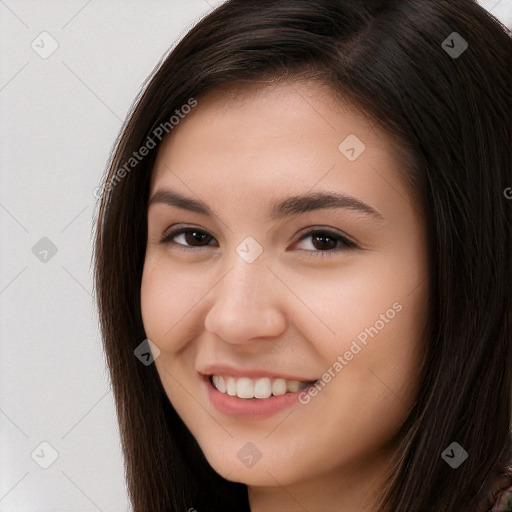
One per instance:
(59, 118)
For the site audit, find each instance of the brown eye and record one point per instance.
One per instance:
(324, 242)
(190, 237)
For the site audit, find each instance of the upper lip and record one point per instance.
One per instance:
(251, 373)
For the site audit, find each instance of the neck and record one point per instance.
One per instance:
(344, 489)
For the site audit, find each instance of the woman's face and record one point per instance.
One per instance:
(273, 284)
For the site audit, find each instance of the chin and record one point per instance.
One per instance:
(265, 472)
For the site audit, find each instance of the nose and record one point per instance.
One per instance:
(247, 304)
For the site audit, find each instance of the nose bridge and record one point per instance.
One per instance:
(245, 303)
(244, 285)
(246, 278)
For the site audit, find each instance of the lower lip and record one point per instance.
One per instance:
(251, 408)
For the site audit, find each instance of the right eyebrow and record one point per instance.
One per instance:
(172, 198)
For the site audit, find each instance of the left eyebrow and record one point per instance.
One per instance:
(321, 200)
(293, 205)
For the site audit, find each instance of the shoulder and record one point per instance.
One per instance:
(502, 502)
(501, 498)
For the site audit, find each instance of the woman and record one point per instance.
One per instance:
(303, 262)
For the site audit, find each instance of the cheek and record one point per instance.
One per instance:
(156, 302)
(167, 297)
(381, 359)
(376, 315)
(362, 303)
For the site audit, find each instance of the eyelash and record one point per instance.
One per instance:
(347, 244)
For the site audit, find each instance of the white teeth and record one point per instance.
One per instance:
(292, 386)
(231, 386)
(279, 387)
(262, 388)
(244, 387)
(219, 383)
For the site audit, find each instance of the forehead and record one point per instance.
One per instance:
(268, 139)
(302, 119)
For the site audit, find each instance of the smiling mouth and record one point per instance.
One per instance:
(261, 388)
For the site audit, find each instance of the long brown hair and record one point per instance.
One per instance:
(397, 61)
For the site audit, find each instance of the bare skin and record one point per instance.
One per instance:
(291, 311)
